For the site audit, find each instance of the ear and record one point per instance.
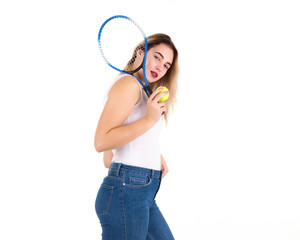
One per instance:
(140, 52)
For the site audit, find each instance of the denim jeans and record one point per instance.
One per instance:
(126, 207)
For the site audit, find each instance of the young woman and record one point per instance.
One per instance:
(128, 135)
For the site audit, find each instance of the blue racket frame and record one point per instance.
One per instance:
(146, 86)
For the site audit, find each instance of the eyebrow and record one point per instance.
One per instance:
(163, 58)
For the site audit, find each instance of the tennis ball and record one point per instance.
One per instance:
(164, 98)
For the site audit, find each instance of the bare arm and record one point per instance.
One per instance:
(110, 132)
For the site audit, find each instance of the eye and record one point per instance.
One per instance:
(166, 67)
(157, 57)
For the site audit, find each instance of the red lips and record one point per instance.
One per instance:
(154, 74)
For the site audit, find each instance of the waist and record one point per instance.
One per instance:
(117, 169)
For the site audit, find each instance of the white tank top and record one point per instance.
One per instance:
(144, 151)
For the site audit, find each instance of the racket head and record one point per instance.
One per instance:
(123, 45)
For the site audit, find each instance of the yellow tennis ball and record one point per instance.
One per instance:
(164, 98)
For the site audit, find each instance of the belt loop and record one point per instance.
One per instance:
(152, 173)
(118, 170)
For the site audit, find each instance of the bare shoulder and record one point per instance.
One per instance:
(122, 97)
(125, 86)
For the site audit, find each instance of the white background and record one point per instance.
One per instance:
(232, 144)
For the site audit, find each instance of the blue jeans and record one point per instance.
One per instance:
(126, 207)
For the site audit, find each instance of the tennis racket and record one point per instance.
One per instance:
(123, 46)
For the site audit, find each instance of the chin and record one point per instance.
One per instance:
(150, 79)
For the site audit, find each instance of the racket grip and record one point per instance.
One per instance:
(148, 90)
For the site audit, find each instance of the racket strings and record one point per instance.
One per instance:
(122, 44)
(136, 63)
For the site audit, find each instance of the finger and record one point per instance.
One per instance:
(159, 96)
(152, 96)
(165, 171)
(161, 105)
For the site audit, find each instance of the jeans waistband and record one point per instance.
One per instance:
(119, 168)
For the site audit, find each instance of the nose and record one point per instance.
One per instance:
(158, 67)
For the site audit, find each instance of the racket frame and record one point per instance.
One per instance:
(146, 86)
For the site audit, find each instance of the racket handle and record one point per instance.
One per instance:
(148, 90)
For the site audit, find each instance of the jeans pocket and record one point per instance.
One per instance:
(103, 199)
(136, 181)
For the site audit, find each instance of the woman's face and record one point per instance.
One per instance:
(159, 60)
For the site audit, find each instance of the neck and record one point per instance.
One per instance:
(139, 75)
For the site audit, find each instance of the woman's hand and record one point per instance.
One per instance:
(107, 158)
(164, 166)
(155, 108)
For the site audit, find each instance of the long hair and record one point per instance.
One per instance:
(170, 79)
